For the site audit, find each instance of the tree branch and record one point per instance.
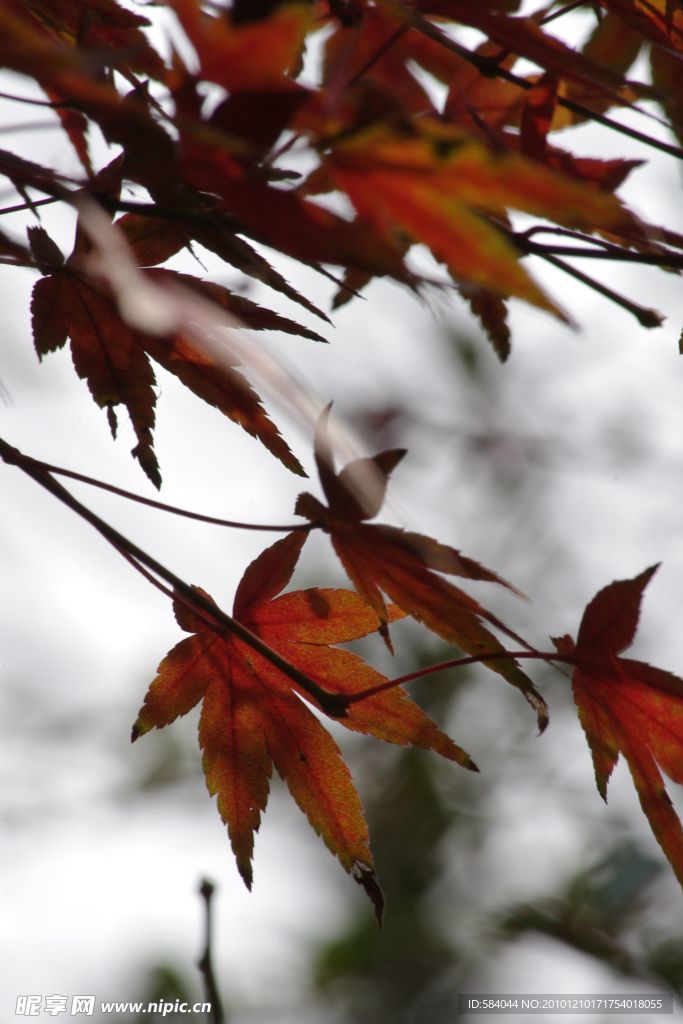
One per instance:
(29, 206)
(645, 317)
(205, 962)
(608, 251)
(331, 703)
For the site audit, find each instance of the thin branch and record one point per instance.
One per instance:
(205, 962)
(472, 659)
(579, 236)
(152, 503)
(662, 259)
(645, 317)
(331, 703)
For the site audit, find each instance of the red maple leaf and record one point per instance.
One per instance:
(381, 559)
(253, 717)
(114, 358)
(629, 707)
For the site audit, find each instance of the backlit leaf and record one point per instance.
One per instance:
(113, 358)
(253, 717)
(226, 51)
(628, 707)
(435, 186)
(382, 560)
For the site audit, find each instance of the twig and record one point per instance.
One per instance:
(29, 206)
(205, 962)
(331, 703)
(645, 317)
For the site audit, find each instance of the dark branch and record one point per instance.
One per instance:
(331, 703)
(645, 317)
(607, 251)
(205, 962)
(29, 206)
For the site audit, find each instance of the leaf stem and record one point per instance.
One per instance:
(471, 659)
(152, 503)
(331, 703)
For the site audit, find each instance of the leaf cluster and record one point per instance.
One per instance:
(211, 150)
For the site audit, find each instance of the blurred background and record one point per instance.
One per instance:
(562, 470)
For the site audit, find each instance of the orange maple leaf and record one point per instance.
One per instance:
(629, 707)
(252, 716)
(257, 55)
(444, 188)
(381, 559)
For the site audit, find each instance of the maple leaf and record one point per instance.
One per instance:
(114, 358)
(629, 707)
(479, 103)
(226, 50)
(491, 311)
(75, 124)
(381, 559)
(153, 240)
(379, 49)
(253, 717)
(434, 185)
(103, 25)
(667, 77)
(105, 352)
(538, 109)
